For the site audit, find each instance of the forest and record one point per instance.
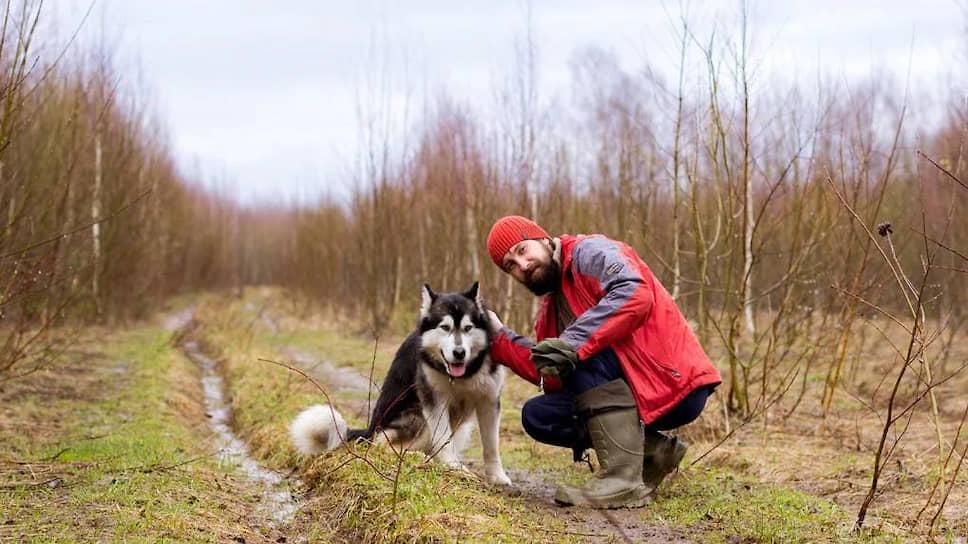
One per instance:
(816, 237)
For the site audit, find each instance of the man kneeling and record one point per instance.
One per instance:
(615, 356)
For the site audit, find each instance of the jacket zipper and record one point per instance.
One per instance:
(675, 373)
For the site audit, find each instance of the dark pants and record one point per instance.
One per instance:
(551, 418)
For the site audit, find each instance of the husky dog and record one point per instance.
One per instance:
(441, 378)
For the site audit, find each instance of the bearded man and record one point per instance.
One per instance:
(614, 356)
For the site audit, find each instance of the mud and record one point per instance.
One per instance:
(621, 525)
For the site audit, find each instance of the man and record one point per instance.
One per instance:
(615, 357)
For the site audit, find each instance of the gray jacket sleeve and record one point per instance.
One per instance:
(625, 302)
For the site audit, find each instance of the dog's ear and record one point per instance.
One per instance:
(427, 298)
(474, 293)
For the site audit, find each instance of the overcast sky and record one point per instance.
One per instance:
(263, 95)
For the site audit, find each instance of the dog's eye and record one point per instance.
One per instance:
(445, 327)
(467, 328)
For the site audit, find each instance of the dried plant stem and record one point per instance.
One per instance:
(913, 351)
(369, 386)
(954, 474)
(947, 460)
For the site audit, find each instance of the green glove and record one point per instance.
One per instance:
(554, 357)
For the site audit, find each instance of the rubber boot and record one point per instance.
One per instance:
(616, 434)
(663, 453)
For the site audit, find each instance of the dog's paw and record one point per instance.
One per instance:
(498, 477)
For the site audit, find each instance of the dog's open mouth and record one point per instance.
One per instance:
(456, 370)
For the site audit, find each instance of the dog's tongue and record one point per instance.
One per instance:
(456, 371)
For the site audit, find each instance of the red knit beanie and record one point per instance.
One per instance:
(507, 232)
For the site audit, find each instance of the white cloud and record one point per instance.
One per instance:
(267, 91)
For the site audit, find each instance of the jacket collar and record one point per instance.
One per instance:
(563, 246)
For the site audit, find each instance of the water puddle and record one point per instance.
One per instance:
(276, 499)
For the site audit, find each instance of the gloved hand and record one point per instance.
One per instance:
(554, 357)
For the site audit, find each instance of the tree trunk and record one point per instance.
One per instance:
(96, 227)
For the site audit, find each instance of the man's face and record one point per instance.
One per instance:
(530, 262)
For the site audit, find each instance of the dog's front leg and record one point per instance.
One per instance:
(489, 422)
(441, 436)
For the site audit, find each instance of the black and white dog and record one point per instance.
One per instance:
(441, 379)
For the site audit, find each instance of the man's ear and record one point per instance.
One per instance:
(427, 298)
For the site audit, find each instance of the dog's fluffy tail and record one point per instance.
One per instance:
(317, 429)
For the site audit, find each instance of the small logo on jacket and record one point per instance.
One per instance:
(614, 269)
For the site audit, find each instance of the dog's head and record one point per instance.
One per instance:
(454, 332)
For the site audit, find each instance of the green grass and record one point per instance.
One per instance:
(710, 504)
(727, 506)
(120, 462)
(114, 446)
(361, 500)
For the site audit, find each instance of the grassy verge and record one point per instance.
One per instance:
(112, 444)
(732, 507)
(362, 499)
(109, 444)
(373, 495)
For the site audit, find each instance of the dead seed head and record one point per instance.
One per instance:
(885, 228)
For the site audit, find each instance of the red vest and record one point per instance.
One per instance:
(659, 353)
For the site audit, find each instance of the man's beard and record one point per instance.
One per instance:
(549, 281)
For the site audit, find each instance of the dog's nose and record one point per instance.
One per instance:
(459, 353)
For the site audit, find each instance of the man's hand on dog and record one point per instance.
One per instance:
(554, 357)
(494, 321)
